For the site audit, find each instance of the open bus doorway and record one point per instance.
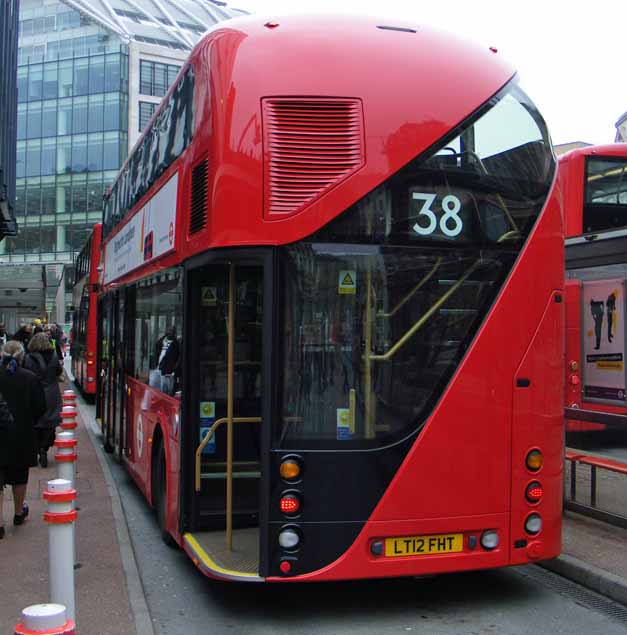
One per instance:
(225, 414)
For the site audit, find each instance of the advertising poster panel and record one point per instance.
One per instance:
(150, 233)
(603, 340)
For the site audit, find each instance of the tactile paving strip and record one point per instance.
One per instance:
(572, 590)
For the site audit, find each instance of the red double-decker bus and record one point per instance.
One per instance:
(332, 319)
(594, 180)
(84, 323)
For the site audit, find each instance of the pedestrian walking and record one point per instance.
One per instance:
(3, 335)
(56, 337)
(43, 361)
(23, 334)
(26, 402)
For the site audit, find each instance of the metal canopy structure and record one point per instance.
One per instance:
(175, 23)
(23, 289)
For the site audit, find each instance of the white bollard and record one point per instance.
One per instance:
(69, 397)
(60, 518)
(45, 618)
(66, 455)
(68, 418)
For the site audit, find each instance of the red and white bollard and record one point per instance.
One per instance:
(68, 418)
(66, 455)
(45, 619)
(69, 398)
(60, 518)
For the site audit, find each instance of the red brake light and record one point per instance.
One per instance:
(534, 492)
(289, 504)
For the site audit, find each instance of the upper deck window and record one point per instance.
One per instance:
(165, 140)
(605, 198)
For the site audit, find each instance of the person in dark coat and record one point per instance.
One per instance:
(166, 359)
(25, 398)
(57, 337)
(43, 361)
(167, 352)
(23, 335)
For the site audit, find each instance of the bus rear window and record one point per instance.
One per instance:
(605, 202)
(380, 305)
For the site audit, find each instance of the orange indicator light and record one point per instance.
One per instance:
(290, 469)
(535, 460)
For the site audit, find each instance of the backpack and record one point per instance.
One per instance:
(7, 422)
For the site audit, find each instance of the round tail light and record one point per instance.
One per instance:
(534, 492)
(289, 504)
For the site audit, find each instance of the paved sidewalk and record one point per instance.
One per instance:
(102, 596)
(594, 554)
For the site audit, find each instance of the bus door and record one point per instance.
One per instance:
(105, 347)
(118, 374)
(224, 411)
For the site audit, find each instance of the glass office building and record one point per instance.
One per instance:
(8, 53)
(90, 73)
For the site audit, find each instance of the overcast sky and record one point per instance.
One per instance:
(571, 56)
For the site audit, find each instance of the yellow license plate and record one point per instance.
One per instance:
(424, 545)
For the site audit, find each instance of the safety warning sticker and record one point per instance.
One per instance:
(347, 281)
(209, 296)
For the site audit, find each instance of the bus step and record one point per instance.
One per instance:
(222, 475)
(252, 465)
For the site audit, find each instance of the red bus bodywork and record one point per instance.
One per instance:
(84, 327)
(466, 470)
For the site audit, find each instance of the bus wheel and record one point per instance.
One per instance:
(161, 499)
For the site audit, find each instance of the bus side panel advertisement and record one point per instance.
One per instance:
(603, 340)
(148, 235)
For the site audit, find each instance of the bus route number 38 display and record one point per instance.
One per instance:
(451, 225)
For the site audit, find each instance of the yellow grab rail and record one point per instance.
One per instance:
(420, 323)
(417, 288)
(208, 438)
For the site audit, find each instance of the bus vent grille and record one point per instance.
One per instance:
(198, 208)
(310, 146)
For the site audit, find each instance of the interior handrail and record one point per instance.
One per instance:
(209, 436)
(420, 323)
(411, 294)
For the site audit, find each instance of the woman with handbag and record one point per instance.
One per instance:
(25, 402)
(43, 361)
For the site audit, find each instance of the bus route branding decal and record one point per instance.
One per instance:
(140, 436)
(603, 339)
(150, 233)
